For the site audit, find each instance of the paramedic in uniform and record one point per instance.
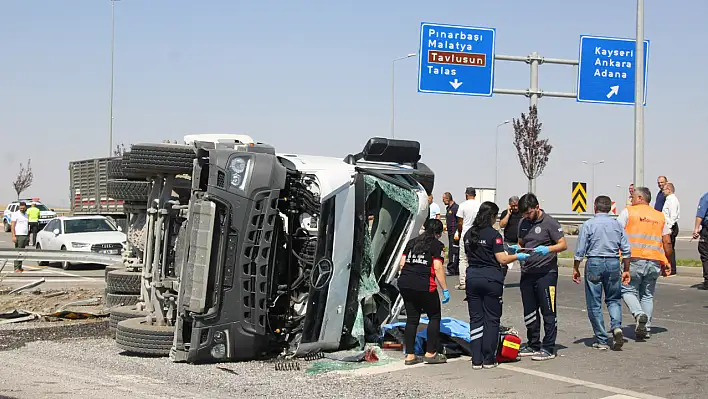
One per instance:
(421, 264)
(539, 276)
(485, 284)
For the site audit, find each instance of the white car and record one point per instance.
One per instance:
(83, 234)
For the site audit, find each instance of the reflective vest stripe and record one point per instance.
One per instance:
(644, 237)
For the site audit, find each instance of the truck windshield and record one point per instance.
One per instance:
(87, 226)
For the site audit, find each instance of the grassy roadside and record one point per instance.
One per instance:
(679, 262)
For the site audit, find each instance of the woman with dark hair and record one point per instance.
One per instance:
(485, 284)
(421, 264)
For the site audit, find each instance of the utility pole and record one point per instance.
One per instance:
(110, 101)
(592, 165)
(393, 91)
(639, 100)
(496, 156)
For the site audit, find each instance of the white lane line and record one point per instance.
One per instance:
(574, 381)
(390, 368)
(692, 323)
(618, 397)
(69, 275)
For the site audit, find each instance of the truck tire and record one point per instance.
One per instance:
(115, 266)
(121, 313)
(123, 282)
(139, 337)
(114, 169)
(162, 158)
(114, 300)
(128, 190)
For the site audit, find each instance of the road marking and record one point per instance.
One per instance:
(573, 381)
(692, 323)
(618, 397)
(390, 368)
(400, 366)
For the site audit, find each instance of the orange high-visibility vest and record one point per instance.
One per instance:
(644, 230)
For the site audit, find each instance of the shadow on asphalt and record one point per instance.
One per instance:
(80, 266)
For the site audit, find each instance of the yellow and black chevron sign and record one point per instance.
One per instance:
(579, 196)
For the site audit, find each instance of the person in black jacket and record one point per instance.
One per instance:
(421, 265)
(485, 284)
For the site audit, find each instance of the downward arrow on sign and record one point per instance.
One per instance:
(455, 84)
(613, 91)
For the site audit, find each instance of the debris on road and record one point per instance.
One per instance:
(17, 316)
(50, 301)
(26, 286)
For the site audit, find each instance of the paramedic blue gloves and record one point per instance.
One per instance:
(542, 249)
(514, 248)
(522, 256)
(446, 296)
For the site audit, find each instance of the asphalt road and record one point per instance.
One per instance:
(669, 365)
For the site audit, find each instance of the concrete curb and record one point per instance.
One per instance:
(680, 270)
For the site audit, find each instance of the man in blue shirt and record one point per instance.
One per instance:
(600, 241)
(700, 232)
(660, 197)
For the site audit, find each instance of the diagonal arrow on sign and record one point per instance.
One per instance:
(614, 90)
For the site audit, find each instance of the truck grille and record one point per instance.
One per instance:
(255, 255)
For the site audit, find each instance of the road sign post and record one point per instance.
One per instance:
(579, 197)
(607, 68)
(456, 60)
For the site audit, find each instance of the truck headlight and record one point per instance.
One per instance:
(218, 351)
(239, 168)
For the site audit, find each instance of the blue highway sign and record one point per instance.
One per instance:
(606, 70)
(456, 60)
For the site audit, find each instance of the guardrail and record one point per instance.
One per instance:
(9, 254)
(573, 218)
(60, 212)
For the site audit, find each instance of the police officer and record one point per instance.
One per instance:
(485, 284)
(33, 217)
(539, 276)
(453, 260)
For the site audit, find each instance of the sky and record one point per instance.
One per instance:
(314, 77)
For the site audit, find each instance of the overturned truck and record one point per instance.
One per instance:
(243, 253)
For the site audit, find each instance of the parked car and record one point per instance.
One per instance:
(82, 233)
(45, 214)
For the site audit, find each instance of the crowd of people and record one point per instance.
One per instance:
(624, 256)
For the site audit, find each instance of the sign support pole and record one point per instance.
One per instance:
(639, 100)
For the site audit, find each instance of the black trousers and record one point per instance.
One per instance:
(484, 301)
(34, 228)
(672, 258)
(417, 302)
(538, 295)
(453, 255)
(703, 252)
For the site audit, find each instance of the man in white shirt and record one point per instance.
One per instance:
(672, 213)
(434, 208)
(19, 225)
(466, 213)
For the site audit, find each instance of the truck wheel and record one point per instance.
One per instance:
(139, 337)
(113, 300)
(128, 190)
(123, 282)
(121, 313)
(162, 158)
(115, 266)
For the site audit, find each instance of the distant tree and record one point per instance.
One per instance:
(24, 178)
(533, 152)
(120, 149)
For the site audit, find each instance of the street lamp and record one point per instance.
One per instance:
(110, 101)
(496, 156)
(593, 164)
(393, 88)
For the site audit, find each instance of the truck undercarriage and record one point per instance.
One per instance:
(266, 255)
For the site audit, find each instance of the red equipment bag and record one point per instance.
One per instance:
(508, 348)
